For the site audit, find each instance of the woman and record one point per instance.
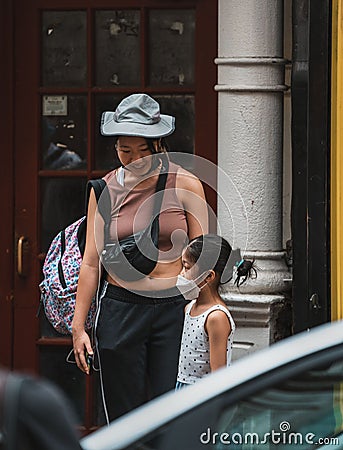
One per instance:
(139, 322)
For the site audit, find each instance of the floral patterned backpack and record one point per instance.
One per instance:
(61, 271)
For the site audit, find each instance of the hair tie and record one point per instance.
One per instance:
(231, 266)
(238, 264)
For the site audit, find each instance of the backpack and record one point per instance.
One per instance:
(61, 271)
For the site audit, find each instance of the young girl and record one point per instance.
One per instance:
(208, 329)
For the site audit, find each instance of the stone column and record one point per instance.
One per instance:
(250, 138)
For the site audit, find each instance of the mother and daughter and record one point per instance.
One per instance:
(169, 325)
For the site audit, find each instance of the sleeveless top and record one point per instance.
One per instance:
(194, 360)
(131, 211)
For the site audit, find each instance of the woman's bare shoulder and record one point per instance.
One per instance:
(187, 180)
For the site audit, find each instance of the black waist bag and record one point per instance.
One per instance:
(135, 256)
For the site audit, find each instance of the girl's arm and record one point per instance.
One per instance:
(86, 289)
(218, 329)
(191, 194)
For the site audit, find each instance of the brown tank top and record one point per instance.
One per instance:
(131, 211)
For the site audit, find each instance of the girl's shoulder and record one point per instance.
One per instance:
(189, 306)
(217, 307)
(218, 313)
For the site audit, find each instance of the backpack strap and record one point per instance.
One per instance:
(98, 186)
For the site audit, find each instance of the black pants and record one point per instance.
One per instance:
(138, 340)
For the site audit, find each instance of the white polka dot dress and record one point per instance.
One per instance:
(194, 360)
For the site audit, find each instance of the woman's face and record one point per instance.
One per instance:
(131, 153)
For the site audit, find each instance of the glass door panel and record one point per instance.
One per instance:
(62, 202)
(171, 47)
(64, 48)
(64, 132)
(117, 48)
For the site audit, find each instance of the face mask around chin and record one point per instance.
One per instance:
(188, 288)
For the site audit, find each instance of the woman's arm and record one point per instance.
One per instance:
(86, 289)
(218, 329)
(191, 194)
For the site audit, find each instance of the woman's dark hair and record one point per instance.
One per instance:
(163, 146)
(212, 252)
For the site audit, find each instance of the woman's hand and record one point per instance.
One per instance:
(81, 345)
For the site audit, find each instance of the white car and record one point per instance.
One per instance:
(287, 396)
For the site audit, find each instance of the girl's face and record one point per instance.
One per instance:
(131, 153)
(189, 269)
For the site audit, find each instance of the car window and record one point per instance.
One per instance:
(304, 411)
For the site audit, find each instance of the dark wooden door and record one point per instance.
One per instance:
(6, 184)
(311, 163)
(72, 60)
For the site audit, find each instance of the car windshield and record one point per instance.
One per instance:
(303, 411)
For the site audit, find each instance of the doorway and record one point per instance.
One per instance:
(71, 61)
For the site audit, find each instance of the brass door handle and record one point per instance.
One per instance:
(22, 246)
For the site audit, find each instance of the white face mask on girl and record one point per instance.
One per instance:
(188, 288)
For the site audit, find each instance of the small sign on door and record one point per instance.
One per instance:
(55, 105)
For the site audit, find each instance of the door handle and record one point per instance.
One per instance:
(21, 250)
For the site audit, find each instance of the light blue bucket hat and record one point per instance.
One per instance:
(137, 115)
